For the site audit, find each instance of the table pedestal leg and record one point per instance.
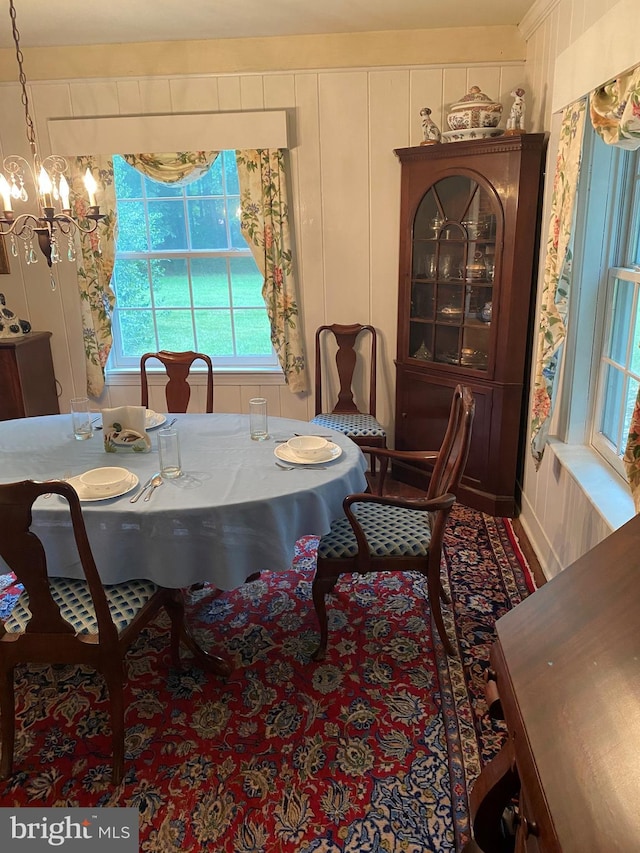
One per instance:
(209, 661)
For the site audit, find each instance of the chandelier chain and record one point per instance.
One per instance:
(31, 133)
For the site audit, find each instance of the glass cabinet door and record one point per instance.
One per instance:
(452, 274)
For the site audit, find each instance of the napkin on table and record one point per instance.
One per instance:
(124, 428)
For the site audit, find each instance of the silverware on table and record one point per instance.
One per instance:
(142, 490)
(314, 434)
(295, 467)
(172, 422)
(155, 482)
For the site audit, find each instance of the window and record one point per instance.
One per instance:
(184, 276)
(618, 367)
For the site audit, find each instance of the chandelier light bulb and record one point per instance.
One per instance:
(5, 192)
(63, 189)
(45, 187)
(91, 187)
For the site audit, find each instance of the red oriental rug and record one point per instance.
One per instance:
(374, 749)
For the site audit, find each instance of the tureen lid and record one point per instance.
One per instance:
(474, 98)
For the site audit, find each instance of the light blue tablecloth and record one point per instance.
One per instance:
(234, 512)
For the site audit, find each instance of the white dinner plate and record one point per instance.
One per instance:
(87, 495)
(154, 419)
(286, 454)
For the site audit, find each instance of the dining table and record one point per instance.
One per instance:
(238, 507)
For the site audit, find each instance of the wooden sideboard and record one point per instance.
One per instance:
(567, 669)
(27, 380)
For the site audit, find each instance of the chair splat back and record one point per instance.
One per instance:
(177, 390)
(361, 427)
(346, 359)
(454, 450)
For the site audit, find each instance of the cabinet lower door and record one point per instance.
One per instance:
(490, 480)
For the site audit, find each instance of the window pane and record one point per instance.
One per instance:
(246, 283)
(210, 282)
(235, 233)
(175, 330)
(252, 332)
(132, 227)
(137, 333)
(166, 225)
(231, 173)
(209, 184)
(207, 224)
(622, 303)
(131, 279)
(156, 189)
(632, 394)
(170, 282)
(214, 332)
(634, 357)
(128, 182)
(614, 387)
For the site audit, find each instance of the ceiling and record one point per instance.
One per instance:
(43, 23)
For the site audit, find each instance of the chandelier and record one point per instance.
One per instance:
(52, 191)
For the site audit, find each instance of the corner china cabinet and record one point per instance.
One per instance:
(469, 222)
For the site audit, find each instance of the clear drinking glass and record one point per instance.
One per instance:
(258, 419)
(169, 449)
(81, 418)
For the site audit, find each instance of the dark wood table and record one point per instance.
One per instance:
(567, 669)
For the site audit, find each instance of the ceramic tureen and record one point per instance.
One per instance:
(474, 110)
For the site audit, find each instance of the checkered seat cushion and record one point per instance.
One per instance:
(391, 532)
(351, 424)
(125, 600)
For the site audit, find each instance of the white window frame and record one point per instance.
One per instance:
(119, 363)
(603, 225)
(612, 451)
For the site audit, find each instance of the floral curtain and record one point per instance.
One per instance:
(557, 274)
(265, 226)
(95, 259)
(615, 114)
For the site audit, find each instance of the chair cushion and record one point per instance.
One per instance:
(350, 424)
(125, 600)
(391, 532)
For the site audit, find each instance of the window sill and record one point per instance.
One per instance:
(606, 491)
(221, 376)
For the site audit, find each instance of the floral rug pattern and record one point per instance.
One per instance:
(373, 749)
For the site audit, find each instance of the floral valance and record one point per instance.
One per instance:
(180, 168)
(615, 110)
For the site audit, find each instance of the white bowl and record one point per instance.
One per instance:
(104, 481)
(309, 446)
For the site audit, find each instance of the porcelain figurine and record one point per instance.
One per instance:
(515, 122)
(430, 129)
(10, 325)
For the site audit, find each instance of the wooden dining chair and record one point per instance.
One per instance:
(361, 426)
(381, 533)
(177, 390)
(63, 620)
